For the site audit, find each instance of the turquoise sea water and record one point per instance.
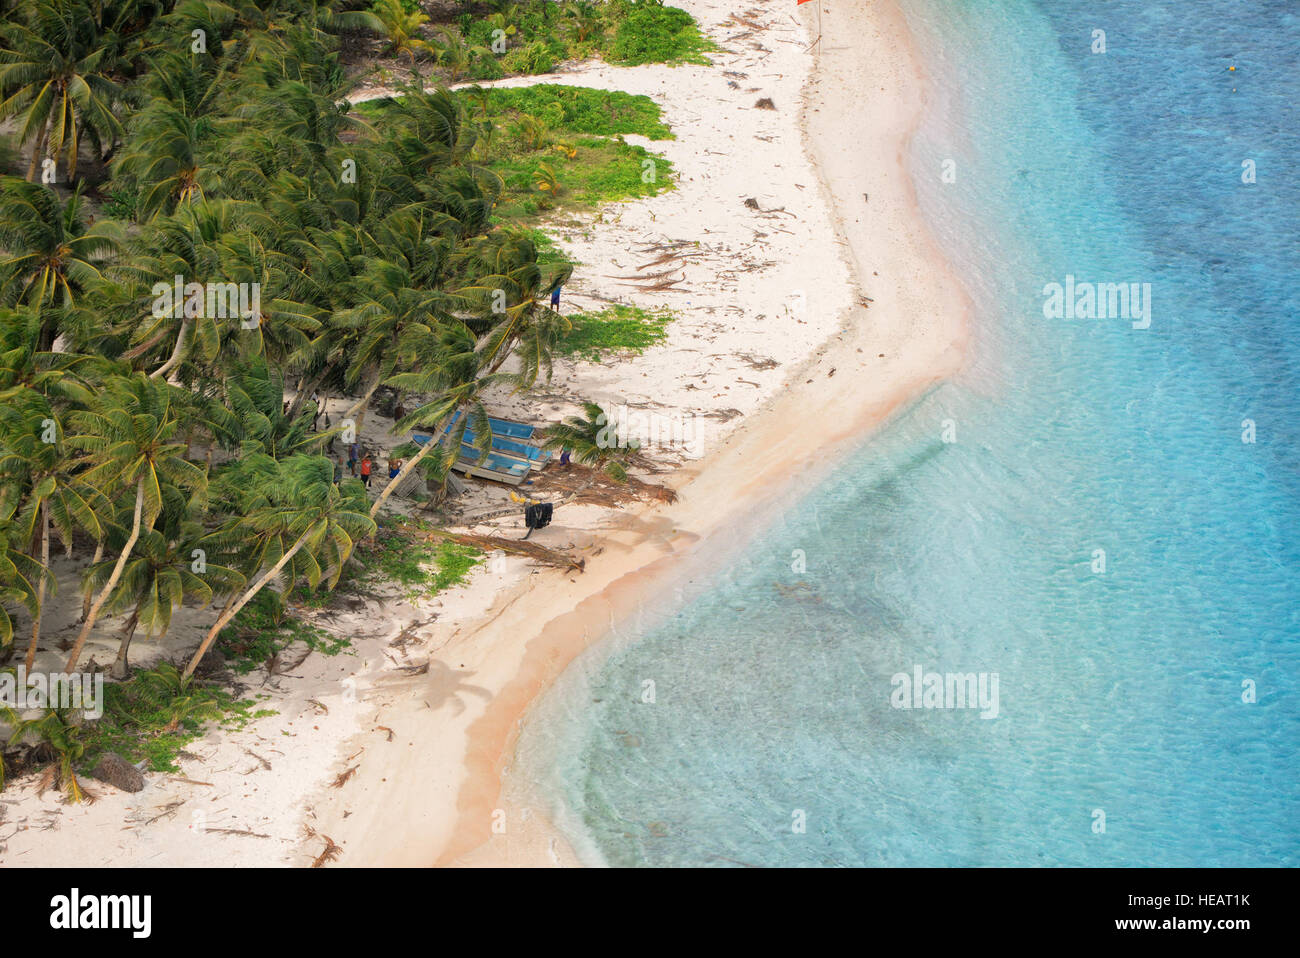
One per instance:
(1120, 692)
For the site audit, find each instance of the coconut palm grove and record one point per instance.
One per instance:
(202, 234)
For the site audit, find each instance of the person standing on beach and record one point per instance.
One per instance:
(555, 298)
(394, 467)
(366, 466)
(338, 470)
(354, 451)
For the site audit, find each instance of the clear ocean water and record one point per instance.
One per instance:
(1120, 692)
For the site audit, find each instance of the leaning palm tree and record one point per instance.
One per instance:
(307, 520)
(508, 299)
(446, 366)
(129, 436)
(54, 76)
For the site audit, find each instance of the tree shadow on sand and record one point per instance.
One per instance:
(448, 685)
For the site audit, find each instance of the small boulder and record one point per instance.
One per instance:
(118, 772)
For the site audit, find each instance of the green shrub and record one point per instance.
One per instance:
(654, 33)
(535, 57)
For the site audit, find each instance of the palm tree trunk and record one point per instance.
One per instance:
(112, 580)
(232, 611)
(99, 554)
(121, 668)
(305, 390)
(178, 352)
(359, 408)
(30, 660)
(37, 150)
(407, 467)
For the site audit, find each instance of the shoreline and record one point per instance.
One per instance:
(916, 319)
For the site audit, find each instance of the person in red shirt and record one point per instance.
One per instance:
(366, 467)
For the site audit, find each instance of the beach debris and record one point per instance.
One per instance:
(385, 728)
(540, 554)
(344, 776)
(330, 853)
(752, 203)
(765, 104)
(118, 772)
(757, 362)
(319, 706)
(264, 763)
(166, 811)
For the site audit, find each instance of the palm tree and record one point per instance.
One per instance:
(54, 76)
(33, 456)
(52, 255)
(586, 19)
(167, 146)
(447, 366)
(402, 28)
(167, 566)
(510, 302)
(457, 55)
(303, 510)
(592, 440)
(128, 435)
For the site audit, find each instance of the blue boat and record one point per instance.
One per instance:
(506, 428)
(513, 447)
(498, 466)
(511, 438)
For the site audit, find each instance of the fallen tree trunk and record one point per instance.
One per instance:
(548, 557)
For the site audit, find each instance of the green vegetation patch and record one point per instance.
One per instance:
(423, 568)
(154, 715)
(598, 172)
(560, 148)
(264, 628)
(653, 33)
(617, 329)
(540, 34)
(575, 109)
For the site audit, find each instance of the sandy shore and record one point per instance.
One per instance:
(798, 331)
(443, 803)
